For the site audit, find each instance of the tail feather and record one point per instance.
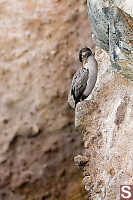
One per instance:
(77, 100)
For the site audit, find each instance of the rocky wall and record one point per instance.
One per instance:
(112, 23)
(105, 117)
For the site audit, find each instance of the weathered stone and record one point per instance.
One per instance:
(99, 23)
(107, 133)
(112, 23)
(121, 42)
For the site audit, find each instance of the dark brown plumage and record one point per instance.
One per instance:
(85, 78)
(79, 83)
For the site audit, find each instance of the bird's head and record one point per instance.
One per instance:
(84, 54)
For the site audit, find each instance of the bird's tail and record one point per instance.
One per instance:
(76, 101)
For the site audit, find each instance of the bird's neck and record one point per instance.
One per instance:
(91, 65)
(84, 62)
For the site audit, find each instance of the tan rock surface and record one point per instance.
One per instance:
(106, 123)
(105, 119)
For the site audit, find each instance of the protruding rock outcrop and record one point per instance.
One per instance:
(105, 120)
(106, 124)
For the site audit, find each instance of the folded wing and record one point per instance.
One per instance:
(79, 83)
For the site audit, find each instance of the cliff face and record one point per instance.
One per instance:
(105, 119)
(39, 41)
(112, 24)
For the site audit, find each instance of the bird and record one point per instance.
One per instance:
(85, 78)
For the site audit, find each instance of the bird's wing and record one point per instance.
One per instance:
(79, 83)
